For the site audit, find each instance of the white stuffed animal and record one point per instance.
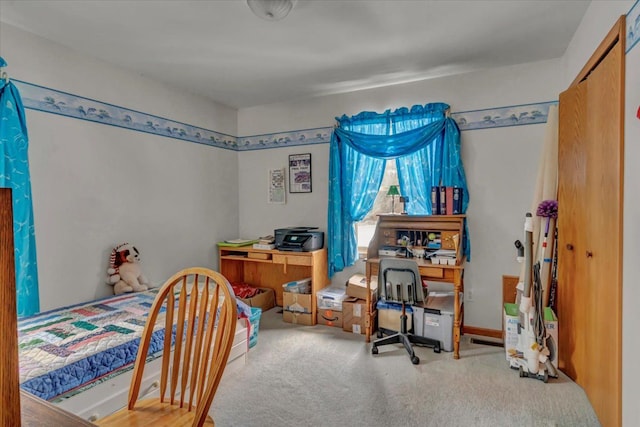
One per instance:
(124, 270)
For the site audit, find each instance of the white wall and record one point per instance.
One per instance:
(598, 20)
(95, 186)
(631, 245)
(501, 166)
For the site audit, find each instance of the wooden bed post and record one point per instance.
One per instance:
(9, 379)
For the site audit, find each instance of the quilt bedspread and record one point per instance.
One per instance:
(66, 348)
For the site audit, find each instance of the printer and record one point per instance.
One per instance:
(298, 239)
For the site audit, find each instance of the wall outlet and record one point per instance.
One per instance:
(469, 295)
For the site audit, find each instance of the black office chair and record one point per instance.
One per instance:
(399, 282)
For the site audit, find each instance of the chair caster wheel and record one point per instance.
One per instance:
(374, 350)
(379, 334)
(436, 349)
(415, 360)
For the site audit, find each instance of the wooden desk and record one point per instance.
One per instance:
(36, 412)
(273, 268)
(435, 273)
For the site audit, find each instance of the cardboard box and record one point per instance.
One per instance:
(357, 286)
(265, 300)
(297, 318)
(354, 313)
(330, 317)
(297, 303)
(511, 331)
(389, 316)
(511, 315)
(551, 325)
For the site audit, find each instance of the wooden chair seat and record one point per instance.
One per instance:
(152, 412)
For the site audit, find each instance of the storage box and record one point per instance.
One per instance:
(331, 298)
(511, 330)
(435, 319)
(264, 300)
(302, 286)
(297, 318)
(330, 317)
(254, 322)
(357, 286)
(389, 316)
(551, 325)
(298, 303)
(354, 312)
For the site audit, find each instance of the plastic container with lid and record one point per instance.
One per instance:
(331, 298)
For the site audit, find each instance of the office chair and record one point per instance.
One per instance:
(399, 282)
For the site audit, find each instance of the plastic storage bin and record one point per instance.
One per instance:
(254, 321)
(331, 298)
(302, 286)
(436, 320)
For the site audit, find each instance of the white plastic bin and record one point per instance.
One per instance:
(436, 320)
(331, 298)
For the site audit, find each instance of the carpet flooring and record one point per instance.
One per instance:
(322, 376)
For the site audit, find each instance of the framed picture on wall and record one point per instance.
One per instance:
(300, 173)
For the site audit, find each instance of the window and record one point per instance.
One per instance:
(383, 205)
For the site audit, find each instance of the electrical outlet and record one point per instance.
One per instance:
(469, 295)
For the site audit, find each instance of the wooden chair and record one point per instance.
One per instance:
(200, 306)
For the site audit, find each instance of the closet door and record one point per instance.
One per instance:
(590, 168)
(573, 281)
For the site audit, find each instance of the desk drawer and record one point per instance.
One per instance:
(437, 273)
(292, 259)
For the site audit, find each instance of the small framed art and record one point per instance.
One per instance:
(300, 173)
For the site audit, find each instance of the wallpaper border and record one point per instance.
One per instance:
(53, 101)
(633, 26)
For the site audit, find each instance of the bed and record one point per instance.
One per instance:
(81, 357)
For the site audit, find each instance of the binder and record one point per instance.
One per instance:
(435, 201)
(443, 201)
(457, 200)
(449, 197)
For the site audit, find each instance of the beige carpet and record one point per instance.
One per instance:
(322, 376)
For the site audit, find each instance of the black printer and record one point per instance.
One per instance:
(298, 239)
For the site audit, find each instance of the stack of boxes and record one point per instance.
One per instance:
(296, 305)
(330, 306)
(354, 307)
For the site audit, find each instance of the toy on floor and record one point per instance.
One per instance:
(124, 270)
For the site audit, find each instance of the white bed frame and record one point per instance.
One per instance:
(111, 395)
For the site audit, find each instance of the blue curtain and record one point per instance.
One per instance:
(426, 145)
(14, 173)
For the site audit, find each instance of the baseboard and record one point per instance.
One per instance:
(491, 333)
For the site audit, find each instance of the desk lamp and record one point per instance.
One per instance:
(393, 192)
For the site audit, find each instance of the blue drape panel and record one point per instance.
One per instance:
(426, 146)
(14, 173)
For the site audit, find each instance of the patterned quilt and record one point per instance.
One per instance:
(64, 349)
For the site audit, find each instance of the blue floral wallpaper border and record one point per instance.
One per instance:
(633, 26)
(53, 101)
(40, 98)
(517, 115)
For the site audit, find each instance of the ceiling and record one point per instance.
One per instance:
(219, 49)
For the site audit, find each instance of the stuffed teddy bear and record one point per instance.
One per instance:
(124, 270)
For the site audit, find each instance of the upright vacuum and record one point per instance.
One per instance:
(533, 359)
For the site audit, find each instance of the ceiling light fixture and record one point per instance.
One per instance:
(271, 10)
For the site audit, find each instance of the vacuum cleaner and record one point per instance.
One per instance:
(535, 348)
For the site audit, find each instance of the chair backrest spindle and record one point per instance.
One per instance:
(199, 326)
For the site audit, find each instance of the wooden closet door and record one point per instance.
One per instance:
(572, 223)
(604, 238)
(590, 168)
